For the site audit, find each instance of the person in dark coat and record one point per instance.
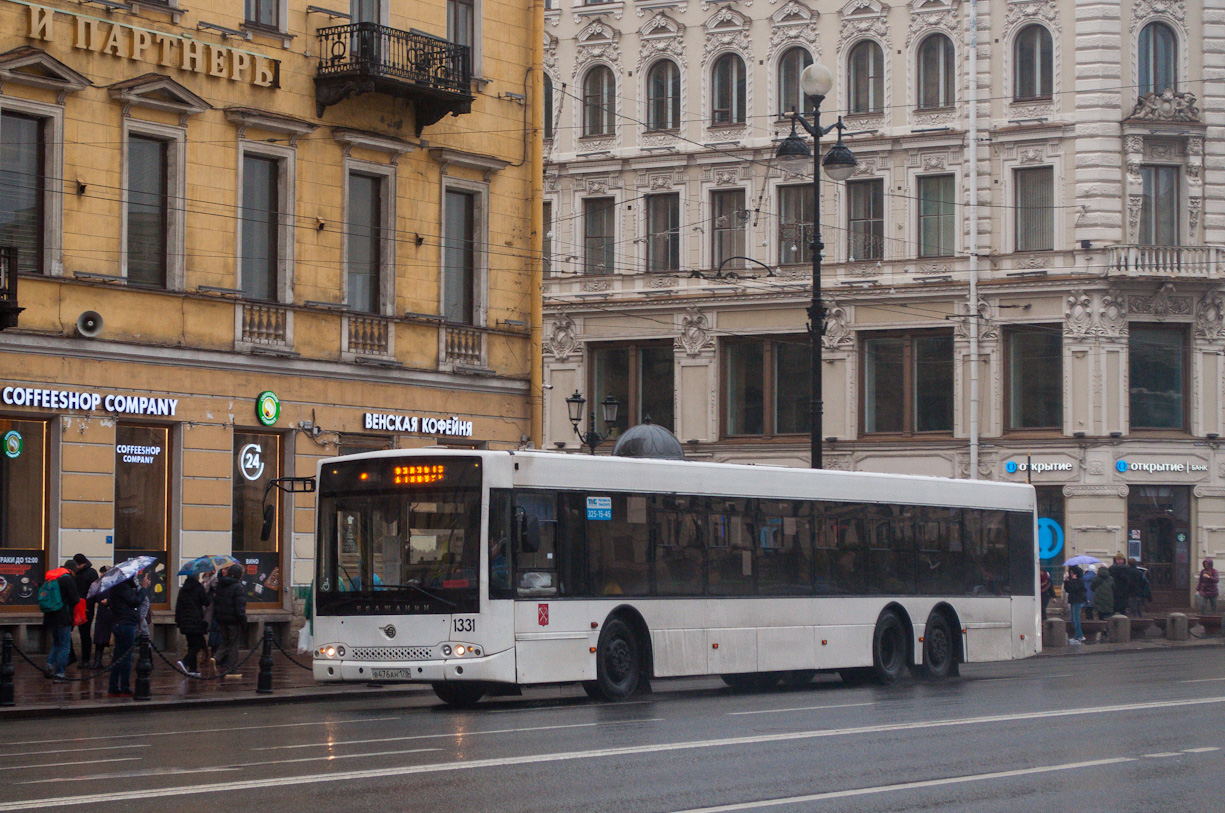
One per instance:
(124, 600)
(1121, 574)
(1075, 592)
(230, 612)
(86, 576)
(189, 617)
(59, 622)
(104, 622)
(1103, 593)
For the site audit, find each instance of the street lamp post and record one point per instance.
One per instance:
(608, 411)
(816, 81)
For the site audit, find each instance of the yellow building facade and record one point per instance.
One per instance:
(249, 236)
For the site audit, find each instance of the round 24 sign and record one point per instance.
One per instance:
(267, 408)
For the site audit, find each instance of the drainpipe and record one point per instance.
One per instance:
(972, 99)
(535, 396)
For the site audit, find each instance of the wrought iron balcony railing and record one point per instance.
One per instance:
(366, 58)
(8, 287)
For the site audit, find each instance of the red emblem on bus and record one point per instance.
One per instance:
(542, 614)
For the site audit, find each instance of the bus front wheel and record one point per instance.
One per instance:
(618, 661)
(459, 695)
(889, 648)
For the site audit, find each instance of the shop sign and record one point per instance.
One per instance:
(1123, 467)
(1012, 467)
(251, 461)
(88, 401)
(138, 454)
(157, 48)
(13, 444)
(20, 574)
(452, 427)
(267, 408)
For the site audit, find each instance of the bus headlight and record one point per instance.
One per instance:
(340, 651)
(460, 650)
(446, 650)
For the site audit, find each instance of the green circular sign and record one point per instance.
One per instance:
(13, 444)
(267, 408)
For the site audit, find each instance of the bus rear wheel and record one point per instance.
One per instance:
(459, 695)
(889, 648)
(752, 681)
(618, 661)
(939, 652)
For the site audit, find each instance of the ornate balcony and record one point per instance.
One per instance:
(266, 325)
(432, 73)
(8, 287)
(1197, 262)
(464, 346)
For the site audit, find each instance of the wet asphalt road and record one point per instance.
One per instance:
(1111, 732)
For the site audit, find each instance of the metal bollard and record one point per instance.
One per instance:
(6, 671)
(264, 684)
(144, 667)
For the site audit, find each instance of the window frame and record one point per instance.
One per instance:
(631, 412)
(286, 163)
(257, 22)
(719, 234)
(873, 84)
(1149, 57)
(948, 230)
(1186, 393)
(546, 238)
(1041, 74)
(670, 103)
(878, 202)
(42, 196)
(549, 95)
(480, 243)
(802, 223)
(175, 139)
(790, 95)
(728, 90)
(385, 285)
(769, 386)
(1015, 388)
(599, 106)
(1150, 205)
(909, 384)
(946, 93)
(1023, 215)
(671, 238)
(608, 248)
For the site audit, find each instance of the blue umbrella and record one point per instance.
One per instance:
(207, 564)
(1081, 560)
(120, 573)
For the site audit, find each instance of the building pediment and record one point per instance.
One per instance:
(661, 26)
(793, 14)
(36, 68)
(157, 92)
(597, 33)
(858, 9)
(726, 19)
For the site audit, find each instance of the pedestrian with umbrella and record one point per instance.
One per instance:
(124, 596)
(189, 610)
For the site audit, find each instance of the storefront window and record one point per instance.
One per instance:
(1050, 530)
(257, 461)
(23, 511)
(142, 486)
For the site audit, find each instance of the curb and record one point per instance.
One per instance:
(1130, 647)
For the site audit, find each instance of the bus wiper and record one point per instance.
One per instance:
(434, 596)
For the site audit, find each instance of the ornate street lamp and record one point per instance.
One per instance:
(816, 81)
(608, 411)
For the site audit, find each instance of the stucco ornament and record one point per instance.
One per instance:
(1168, 105)
(562, 339)
(695, 332)
(1210, 316)
(1078, 315)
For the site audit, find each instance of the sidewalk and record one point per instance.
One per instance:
(1145, 644)
(36, 696)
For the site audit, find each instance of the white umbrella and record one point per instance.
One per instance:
(119, 573)
(1081, 560)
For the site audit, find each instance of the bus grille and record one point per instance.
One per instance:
(391, 653)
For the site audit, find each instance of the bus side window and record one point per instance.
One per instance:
(500, 553)
(536, 572)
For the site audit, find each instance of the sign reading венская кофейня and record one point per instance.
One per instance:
(452, 427)
(88, 401)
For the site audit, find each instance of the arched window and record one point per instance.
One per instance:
(866, 74)
(936, 73)
(599, 101)
(728, 90)
(790, 96)
(664, 96)
(1158, 59)
(1034, 64)
(548, 106)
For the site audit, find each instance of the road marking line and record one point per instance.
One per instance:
(126, 775)
(927, 783)
(1162, 755)
(1200, 750)
(143, 735)
(450, 734)
(565, 756)
(68, 764)
(1202, 680)
(798, 708)
(123, 747)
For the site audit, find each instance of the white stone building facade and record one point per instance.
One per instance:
(1100, 224)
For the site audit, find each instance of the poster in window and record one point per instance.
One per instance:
(262, 575)
(21, 572)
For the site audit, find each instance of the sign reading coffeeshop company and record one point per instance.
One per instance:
(87, 401)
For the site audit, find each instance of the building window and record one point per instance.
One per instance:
(1034, 64)
(548, 106)
(461, 22)
(767, 386)
(261, 214)
(366, 11)
(1159, 208)
(23, 190)
(728, 90)
(599, 102)
(24, 494)
(1157, 376)
(795, 218)
(459, 252)
(264, 13)
(865, 219)
(866, 75)
(728, 227)
(908, 383)
(364, 242)
(598, 235)
(1035, 378)
(664, 96)
(1158, 59)
(790, 95)
(1035, 206)
(936, 73)
(937, 216)
(142, 505)
(640, 377)
(546, 242)
(663, 232)
(257, 461)
(147, 210)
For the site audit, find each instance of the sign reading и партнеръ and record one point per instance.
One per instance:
(88, 401)
(452, 427)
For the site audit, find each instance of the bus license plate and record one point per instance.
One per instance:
(391, 674)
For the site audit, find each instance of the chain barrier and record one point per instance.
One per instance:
(220, 675)
(45, 672)
(291, 658)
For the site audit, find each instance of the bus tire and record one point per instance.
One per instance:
(618, 661)
(939, 650)
(889, 648)
(459, 695)
(752, 681)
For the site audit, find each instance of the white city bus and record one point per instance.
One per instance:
(478, 572)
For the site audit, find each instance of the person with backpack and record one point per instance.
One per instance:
(57, 598)
(189, 617)
(124, 599)
(230, 612)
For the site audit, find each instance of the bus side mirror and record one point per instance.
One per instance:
(527, 531)
(266, 530)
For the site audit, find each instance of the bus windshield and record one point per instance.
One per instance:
(399, 535)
